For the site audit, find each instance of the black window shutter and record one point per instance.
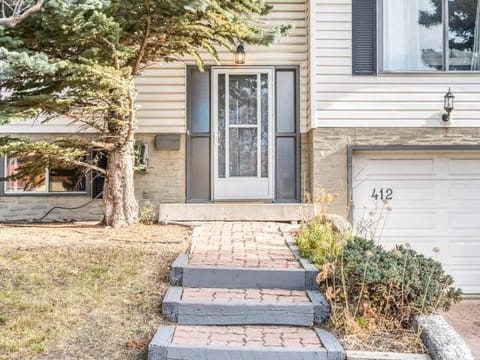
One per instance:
(364, 28)
(98, 178)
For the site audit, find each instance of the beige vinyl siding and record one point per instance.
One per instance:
(162, 88)
(383, 100)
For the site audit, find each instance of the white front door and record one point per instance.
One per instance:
(243, 133)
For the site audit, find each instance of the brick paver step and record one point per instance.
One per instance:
(243, 255)
(244, 342)
(210, 306)
(239, 244)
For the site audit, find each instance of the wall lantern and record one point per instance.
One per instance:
(240, 55)
(449, 101)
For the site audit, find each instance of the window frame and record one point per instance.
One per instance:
(445, 59)
(4, 192)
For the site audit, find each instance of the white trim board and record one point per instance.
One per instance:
(394, 123)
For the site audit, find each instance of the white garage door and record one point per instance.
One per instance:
(429, 200)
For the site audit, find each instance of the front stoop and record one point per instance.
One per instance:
(204, 306)
(243, 342)
(202, 276)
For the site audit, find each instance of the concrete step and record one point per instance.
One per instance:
(234, 211)
(231, 277)
(186, 342)
(208, 306)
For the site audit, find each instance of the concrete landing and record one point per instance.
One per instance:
(234, 212)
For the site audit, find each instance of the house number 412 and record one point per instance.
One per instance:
(382, 194)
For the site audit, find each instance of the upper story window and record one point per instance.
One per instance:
(61, 180)
(431, 35)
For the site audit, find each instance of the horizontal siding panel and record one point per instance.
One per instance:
(394, 96)
(162, 87)
(378, 100)
(413, 81)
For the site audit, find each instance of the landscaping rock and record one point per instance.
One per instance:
(442, 341)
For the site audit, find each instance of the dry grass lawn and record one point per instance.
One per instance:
(83, 291)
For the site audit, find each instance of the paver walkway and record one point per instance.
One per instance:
(242, 244)
(247, 336)
(465, 319)
(243, 293)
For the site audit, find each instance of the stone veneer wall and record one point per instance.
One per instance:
(305, 166)
(328, 149)
(163, 182)
(32, 208)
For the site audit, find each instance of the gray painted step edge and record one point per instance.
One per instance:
(235, 278)
(239, 278)
(238, 313)
(311, 270)
(160, 348)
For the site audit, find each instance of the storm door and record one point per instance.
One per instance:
(243, 116)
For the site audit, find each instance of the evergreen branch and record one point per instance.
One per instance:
(143, 47)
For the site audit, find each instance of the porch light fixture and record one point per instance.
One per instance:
(449, 101)
(240, 55)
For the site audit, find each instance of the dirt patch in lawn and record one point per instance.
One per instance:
(83, 291)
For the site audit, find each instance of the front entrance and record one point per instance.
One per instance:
(243, 104)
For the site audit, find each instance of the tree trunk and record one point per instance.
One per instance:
(120, 207)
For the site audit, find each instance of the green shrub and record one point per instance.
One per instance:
(393, 285)
(319, 241)
(369, 286)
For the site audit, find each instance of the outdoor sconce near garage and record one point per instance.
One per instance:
(240, 55)
(449, 102)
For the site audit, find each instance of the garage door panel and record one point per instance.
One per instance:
(435, 203)
(402, 224)
(465, 167)
(463, 191)
(388, 168)
(464, 222)
(466, 278)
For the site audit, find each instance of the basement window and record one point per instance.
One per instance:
(55, 180)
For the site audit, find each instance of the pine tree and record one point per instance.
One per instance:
(79, 58)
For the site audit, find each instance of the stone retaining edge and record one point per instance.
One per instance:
(321, 306)
(334, 349)
(157, 349)
(371, 355)
(176, 272)
(170, 303)
(311, 270)
(441, 340)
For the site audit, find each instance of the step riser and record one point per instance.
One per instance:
(244, 278)
(238, 313)
(178, 352)
(182, 274)
(241, 314)
(161, 348)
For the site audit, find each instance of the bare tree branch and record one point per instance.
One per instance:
(15, 11)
